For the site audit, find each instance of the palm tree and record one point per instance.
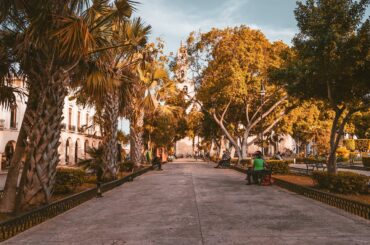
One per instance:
(95, 162)
(152, 86)
(108, 84)
(52, 38)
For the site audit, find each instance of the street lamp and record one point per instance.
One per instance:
(262, 94)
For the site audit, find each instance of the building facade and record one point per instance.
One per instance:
(79, 131)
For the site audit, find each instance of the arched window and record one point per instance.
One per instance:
(77, 145)
(9, 152)
(67, 152)
(86, 147)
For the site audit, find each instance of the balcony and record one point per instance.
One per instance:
(2, 124)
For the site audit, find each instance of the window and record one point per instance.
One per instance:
(185, 89)
(79, 120)
(13, 117)
(69, 118)
(87, 119)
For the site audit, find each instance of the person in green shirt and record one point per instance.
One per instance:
(258, 168)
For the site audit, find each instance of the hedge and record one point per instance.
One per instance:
(350, 144)
(67, 180)
(342, 182)
(362, 145)
(366, 161)
(278, 166)
(126, 166)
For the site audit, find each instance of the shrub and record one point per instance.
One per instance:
(366, 161)
(127, 166)
(362, 144)
(67, 179)
(342, 182)
(350, 144)
(91, 179)
(343, 152)
(342, 159)
(278, 166)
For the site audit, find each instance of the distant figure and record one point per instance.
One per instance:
(258, 168)
(156, 162)
(278, 156)
(224, 160)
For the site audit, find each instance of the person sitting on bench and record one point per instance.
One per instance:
(156, 162)
(224, 160)
(258, 168)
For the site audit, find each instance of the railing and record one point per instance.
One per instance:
(27, 220)
(354, 207)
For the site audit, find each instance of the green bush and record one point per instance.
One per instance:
(362, 145)
(278, 166)
(127, 166)
(366, 161)
(342, 182)
(67, 179)
(350, 144)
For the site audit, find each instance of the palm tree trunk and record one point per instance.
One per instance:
(110, 116)
(7, 203)
(42, 155)
(136, 139)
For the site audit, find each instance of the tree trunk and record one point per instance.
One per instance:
(7, 203)
(245, 144)
(42, 156)
(110, 116)
(136, 139)
(228, 136)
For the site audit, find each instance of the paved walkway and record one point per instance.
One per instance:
(193, 203)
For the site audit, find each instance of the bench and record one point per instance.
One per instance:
(317, 166)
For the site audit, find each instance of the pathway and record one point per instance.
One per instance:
(193, 203)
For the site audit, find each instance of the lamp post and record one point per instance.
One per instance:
(262, 94)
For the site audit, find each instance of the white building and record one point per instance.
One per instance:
(78, 133)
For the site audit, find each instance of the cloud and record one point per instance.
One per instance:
(173, 21)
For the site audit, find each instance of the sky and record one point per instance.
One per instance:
(173, 20)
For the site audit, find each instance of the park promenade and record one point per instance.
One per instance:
(193, 203)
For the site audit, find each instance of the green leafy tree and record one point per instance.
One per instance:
(331, 61)
(233, 65)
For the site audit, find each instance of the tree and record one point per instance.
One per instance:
(233, 65)
(50, 39)
(107, 84)
(331, 61)
(152, 86)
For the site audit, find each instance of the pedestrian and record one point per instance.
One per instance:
(156, 162)
(258, 168)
